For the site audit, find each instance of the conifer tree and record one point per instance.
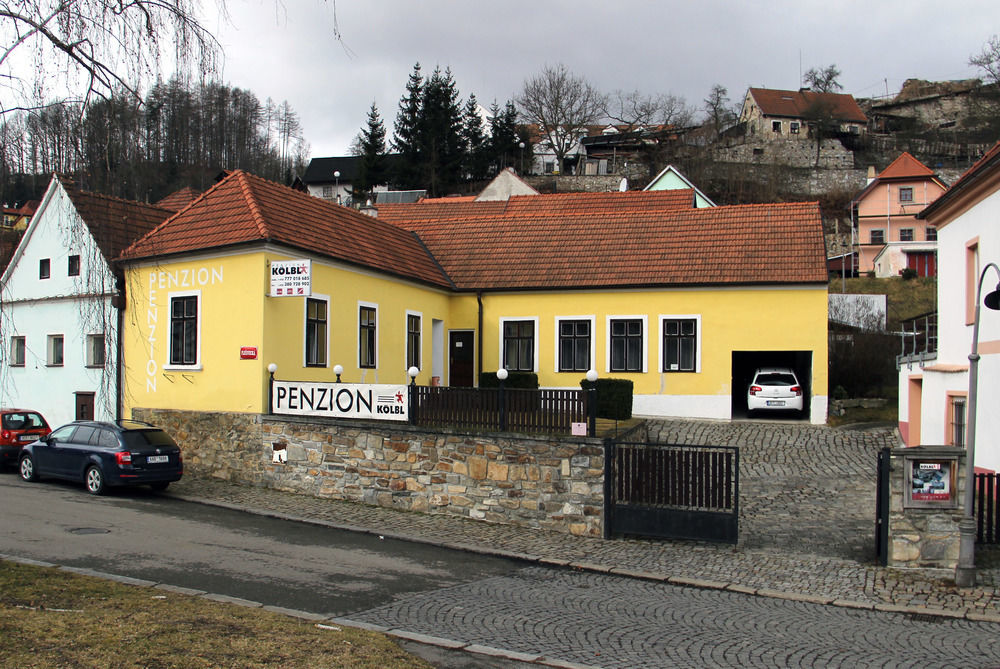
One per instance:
(372, 169)
(440, 134)
(406, 132)
(477, 156)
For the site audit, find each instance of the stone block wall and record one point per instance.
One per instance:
(551, 483)
(923, 537)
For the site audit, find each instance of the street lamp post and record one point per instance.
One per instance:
(336, 191)
(965, 572)
(271, 369)
(521, 146)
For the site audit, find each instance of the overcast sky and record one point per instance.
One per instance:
(287, 49)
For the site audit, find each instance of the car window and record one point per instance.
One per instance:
(104, 439)
(776, 379)
(140, 438)
(83, 434)
(14, 421)
(63, 433)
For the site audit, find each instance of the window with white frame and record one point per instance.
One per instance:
(327, 192)
(956, 420)
(519, 345)
(17, 351)
(413, 328)
(44, 268)
(184, 329)
(906, 194)
(877, 236)
(930, 233)
(367, 336)
(680, 344)
(776, 127)
(316, 332)
(95, 353)
(54, 351)
(793, 127)
(627, 345)
(574, 345)
(906, 234)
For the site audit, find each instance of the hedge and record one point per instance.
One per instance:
(614, 397)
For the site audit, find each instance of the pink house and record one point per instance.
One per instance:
(889, 236)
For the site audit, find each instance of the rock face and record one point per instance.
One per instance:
(553, 483)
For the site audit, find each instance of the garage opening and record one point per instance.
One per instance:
(745, 363)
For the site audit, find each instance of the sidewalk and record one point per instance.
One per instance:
(768, 572)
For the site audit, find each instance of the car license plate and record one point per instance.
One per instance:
(776, 403)
(157, 459)
(27, 437)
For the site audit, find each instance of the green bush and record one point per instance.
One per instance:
(522, 380)
(908, 274)
(614, 397)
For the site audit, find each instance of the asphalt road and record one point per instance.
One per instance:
(574, 616)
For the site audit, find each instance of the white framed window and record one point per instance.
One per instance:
(793, 127)
(44, 268)
(96, 355)
(680, 343)
(877, 236)
(367, 335)
(17, 351)
(414, 336)
(626, 351)
(317, 338)
(327, 192)
(184, 350)
(54, 350)
(519, 344)
(906, 194)
(574, 343)
(776, 127)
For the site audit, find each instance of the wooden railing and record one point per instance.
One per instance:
(500, 409)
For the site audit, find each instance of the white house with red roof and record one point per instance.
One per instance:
(934, 392)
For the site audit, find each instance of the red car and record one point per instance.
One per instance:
(19, 427)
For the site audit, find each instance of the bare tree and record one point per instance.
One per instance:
(562, 105)
(718, 108)
(88, 48)
(635, 110)
(823, 80)
(989, 59)
(821, 113)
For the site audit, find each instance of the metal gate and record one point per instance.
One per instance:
(882, 507)
(671, 491)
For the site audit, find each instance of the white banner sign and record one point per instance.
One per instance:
(291, 278)
(340, 400)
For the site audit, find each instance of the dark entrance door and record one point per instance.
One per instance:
(84, 406)
(461, 351)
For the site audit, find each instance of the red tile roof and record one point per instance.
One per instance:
(795, 104)
(905, 167)
(573, 240)
(981, 169)
(243, 208)
(558, 242)
(179, 199)
(113, 222)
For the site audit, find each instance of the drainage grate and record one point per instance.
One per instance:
(88, 530)
(924, 618)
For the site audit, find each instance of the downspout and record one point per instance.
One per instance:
(118, 302)
(479, 335)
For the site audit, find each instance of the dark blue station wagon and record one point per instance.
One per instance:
(105, 454)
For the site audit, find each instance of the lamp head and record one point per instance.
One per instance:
(272, 368)
(591, 375)
(338, 369)
(413, 371)
(502, 374)
(992, 300)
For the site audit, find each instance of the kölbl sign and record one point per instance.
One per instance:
(340, 400)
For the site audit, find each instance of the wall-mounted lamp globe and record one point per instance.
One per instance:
(338, 370)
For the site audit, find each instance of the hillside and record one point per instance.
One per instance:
(904, 298)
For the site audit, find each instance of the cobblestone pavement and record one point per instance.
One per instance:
(806, 524)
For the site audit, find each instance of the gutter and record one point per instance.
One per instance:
(479, 335)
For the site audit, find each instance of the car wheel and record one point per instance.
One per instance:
(27, 469)
(159, 486)
(94, 478)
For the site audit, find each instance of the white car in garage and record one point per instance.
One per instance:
(774, 389)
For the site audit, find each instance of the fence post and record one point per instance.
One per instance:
(592, 411)
(609, 488)
(411, 408)
(503, 407)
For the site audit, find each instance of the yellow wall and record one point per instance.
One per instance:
(236, 312)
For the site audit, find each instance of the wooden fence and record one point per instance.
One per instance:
(501, 409)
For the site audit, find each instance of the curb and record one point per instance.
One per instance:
(961, 614)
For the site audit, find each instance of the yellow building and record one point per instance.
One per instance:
(684, 302)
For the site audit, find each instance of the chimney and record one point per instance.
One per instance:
(871, 174)
(369, 209)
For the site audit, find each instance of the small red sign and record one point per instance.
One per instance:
(248, 353)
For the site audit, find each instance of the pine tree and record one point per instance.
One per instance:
(372, 169)
(406, 131)
(504, 139)
(477, 158)
(440, 134)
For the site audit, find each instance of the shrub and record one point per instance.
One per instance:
(908, 274)
(614, 397)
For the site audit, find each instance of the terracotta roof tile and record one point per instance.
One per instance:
(179, 199)
(113, 222)
(905, 167)
(243, 208)
(794, 104)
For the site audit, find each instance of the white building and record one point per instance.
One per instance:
(934, 391)
(60, 305)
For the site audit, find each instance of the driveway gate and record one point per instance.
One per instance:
(669, 491)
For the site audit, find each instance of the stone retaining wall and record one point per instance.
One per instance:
(539, 482)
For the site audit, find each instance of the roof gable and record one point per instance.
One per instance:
(906, 167)
(243, 208)
(977, 182)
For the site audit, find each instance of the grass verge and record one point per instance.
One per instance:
(51, 618)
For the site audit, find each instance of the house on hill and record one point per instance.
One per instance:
(61, 304)
(889, 236)
(684, 302)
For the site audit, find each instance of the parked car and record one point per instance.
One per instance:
(102, 454)
(19, 427)
(774, 389)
